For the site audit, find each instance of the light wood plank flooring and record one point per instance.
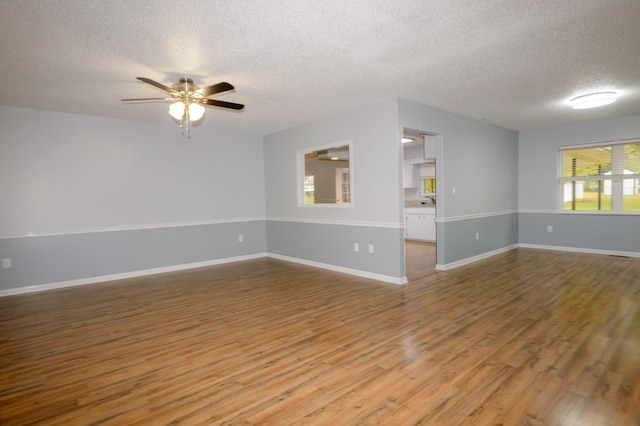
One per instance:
(527, 337)
(420, 259)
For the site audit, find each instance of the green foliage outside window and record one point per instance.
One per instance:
(601, 178)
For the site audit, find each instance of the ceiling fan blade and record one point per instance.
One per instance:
(222, 104)
(156, 84)
(216, 88)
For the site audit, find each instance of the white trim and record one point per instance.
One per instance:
(599, 143)
(599, 212)
(390, 225)
(538, 211)
(301, 168)
(617, 176)
(463, 262)
(394, 225)
(581, 212)
(350, 271)
(338, 222)
(475, 216)
(327, 206)
(133, 227)
(124, 275)
(173, 268)
(581, 250)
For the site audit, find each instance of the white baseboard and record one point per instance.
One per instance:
(133, 274)
(468, 260)
(448, 266)
(141, 273)
(582, 250)
(350, 271)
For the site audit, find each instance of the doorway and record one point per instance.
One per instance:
(419, 258)
(420, 201)
(343, 188)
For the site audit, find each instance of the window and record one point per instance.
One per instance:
(427, 186)
(325, 176)
(600, 178)
(309, 189)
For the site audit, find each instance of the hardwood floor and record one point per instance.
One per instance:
(524, 338)
(420, 259)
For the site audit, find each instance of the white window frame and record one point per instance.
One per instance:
(616, 178)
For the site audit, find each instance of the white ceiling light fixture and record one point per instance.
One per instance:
(196, 111)
(186, 111)
(176, 110)
(593, 100)
(407, 140)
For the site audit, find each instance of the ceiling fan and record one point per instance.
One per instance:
(188, 100)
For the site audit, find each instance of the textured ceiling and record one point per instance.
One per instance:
(514, 63)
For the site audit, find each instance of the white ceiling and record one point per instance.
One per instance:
(514, 63)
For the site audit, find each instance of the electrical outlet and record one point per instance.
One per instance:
(356, 247)
(549, 228)
(240, 238)
(6, 263)
(370, 248)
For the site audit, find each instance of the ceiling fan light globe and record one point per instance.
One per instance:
(176, 110)
(196, 111)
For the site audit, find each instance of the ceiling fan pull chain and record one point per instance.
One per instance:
(187, 120)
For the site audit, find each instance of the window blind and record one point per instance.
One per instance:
(600, 177)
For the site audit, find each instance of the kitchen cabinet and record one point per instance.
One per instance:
(430, 147)
(407, 174)
(427, 170)
(420, 223)
(415, 169)
(410, 172)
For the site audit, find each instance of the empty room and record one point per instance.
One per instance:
(296, 212)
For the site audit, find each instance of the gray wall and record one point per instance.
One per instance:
(480, 161)
(326, 234)
(538, 159)
(55, 259)
(375, 166)
(86, 196)
(332, 245)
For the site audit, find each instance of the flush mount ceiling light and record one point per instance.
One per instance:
(407, 140)
(188, 100)
(593, 100)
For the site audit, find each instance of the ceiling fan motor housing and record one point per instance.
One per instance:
(186, 88)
